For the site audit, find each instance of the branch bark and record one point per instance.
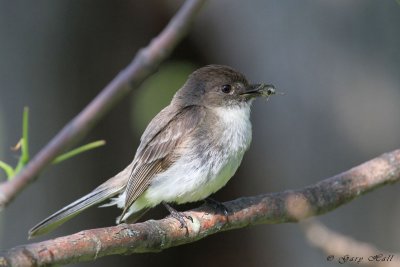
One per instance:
(154, 236)
(143, 65)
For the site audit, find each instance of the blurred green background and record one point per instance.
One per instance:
(338, 63)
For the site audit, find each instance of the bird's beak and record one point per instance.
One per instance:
(254, 90)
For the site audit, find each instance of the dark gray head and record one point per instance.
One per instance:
(216, 86)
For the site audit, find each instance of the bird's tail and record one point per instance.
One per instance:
(55, 220)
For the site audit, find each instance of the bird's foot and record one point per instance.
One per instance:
(178, 216)
(218, 206)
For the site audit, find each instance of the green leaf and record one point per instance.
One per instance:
(7, 169)
(78, 150)
(24, 158)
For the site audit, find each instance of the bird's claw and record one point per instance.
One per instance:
(179, 217)
(219, 206)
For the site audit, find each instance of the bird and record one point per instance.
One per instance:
(188, 151)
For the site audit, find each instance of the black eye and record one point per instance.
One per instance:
(226, 88)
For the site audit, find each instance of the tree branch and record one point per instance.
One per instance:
(344, 249)
(144, 64)
(154, 236)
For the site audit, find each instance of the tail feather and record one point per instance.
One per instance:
(55, 220)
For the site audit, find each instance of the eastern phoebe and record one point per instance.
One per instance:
(187, 152)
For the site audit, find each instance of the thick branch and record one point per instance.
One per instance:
(144, 64)
(153, 236)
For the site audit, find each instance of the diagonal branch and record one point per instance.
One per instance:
(154, 236)
(144, 64)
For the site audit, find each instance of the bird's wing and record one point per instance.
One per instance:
(159, 149)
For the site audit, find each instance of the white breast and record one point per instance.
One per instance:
(238, 126)
(236, 140)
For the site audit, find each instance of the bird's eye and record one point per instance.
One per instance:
(226, 88)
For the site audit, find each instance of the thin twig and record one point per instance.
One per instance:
(343, 249)
(144, 64)
(154, 236)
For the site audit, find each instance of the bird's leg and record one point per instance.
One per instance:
(177, 215)
(219, 206)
